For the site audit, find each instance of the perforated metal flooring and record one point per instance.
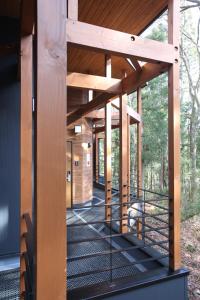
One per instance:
(9, 285)
(77, 268)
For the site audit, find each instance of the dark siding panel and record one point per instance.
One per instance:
(9, 156)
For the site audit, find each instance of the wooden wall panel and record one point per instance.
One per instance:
(82, 174)
(50, 159)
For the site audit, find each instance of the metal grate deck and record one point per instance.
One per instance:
(9, 285)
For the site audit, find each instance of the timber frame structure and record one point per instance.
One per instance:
(79, 61)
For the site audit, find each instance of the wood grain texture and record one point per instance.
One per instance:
(50, 151)
(123, 162)
(107, 40)
(82, 173)
(139, 157)
(98, 102)
(25, 149)
(174, 137)
(92, 82)
(72, 9)
(131, 16)
(138, 79)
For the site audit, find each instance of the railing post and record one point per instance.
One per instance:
(123, 163)
(108, 146)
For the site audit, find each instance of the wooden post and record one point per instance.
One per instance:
(108, 146)
(96, 158)
(139, 156)
(72, 9)
(174, 136)
(123, 162)
(25, 150)
(128, 158)
(50, 160)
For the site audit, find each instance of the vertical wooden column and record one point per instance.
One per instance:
(139, 156)
(108, 146)
(25, 150)
(96, 158)
(50, 160)
(123, 162)
(174, 136)
(72, 9)
(128, 157)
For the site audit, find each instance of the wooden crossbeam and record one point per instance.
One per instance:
(118, 43)
(93, 82)
(133, 114)
(100, 114)
(134, 63)
(137, 79)
(96, 103)
(102, 128)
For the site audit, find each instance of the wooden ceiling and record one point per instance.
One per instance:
(131, 16)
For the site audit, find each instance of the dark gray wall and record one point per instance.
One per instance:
(9, 156)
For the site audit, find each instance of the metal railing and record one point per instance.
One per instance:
(153, 216)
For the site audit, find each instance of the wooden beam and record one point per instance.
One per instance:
(137, 79)
(134, 63)
(50, 152)
(113, 42)
(102, 128)
(96, 103)
(108, 146)
(25, 152)
(133, 114)
(27, 16)
(174, 137)
(100, 114)
(93, 82)
(72, 9)
(123, 162)
(96, 114)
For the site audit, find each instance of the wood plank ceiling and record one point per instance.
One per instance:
(131, 16)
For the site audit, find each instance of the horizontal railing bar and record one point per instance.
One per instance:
(114, 220)
(114, 235)
(70, 259)
(148, 214)
(161, 246)
(157, 230)
(115, 268)
(116, 204)
(148, 191)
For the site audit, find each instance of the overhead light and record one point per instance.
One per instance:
(77, 128)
